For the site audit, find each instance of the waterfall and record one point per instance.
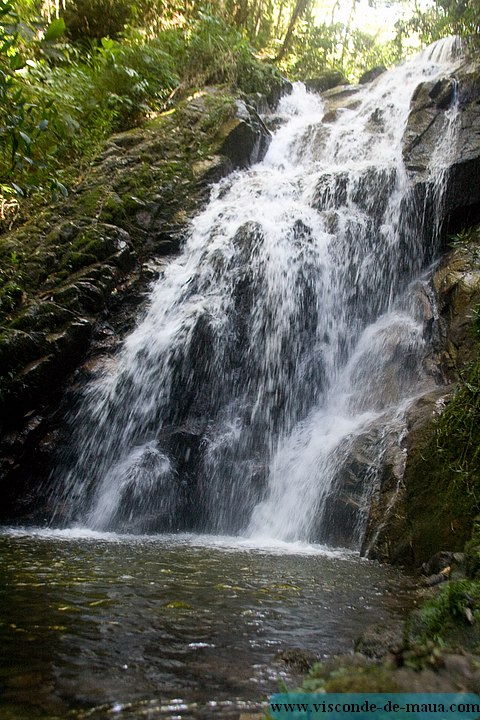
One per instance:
(289, 326)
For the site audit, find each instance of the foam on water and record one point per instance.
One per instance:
(222, 543)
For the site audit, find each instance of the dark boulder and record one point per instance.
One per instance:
(245, 138)
(326, 81)
(372, 74)
(432, 106)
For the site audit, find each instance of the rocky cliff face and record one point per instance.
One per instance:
(415, 478)
(430, 114)
(428, 502)
(74, 276)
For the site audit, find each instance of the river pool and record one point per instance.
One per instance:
(97, 625)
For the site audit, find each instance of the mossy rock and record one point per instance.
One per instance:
(326, 81)
(297, 659)
(67, 266)
(472, 552)
(12, 296)
(350, 674)
(42, 316)
(449, 617)
(18, 348)
(439, 498)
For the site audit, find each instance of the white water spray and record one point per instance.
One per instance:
(284, 329)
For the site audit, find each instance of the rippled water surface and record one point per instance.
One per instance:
(99, 626)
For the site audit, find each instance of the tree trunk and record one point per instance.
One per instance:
(279, 17)
(240, 16)
(298, 10)
(347, 32)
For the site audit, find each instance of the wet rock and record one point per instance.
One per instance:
(331, 191)
(436, 579)
(388, 532)
(297, 659)
(428, 118)
(18, 348)
(68, 345)
(211, 169)
(457, 286)
(326, 81)
(245, 138)
(377, 641)
(372, 74)
(82, 262)
(343, 96)
(41, 316)
(443, 93)
(437, 562)
(409, 519)
(277, 91)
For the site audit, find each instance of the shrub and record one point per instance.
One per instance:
(94, 19)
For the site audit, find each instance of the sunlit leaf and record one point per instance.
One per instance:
(55, 30)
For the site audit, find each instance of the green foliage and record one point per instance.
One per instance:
(208, 51)
(459, 238)
(125, 61)
(445, 17)
(87, 101)
(458, 435)
(365, 53)
(60, 104)
(448, 615)
(318, 47)
(55, 30)
(314, 48)
(134, 79)
(23, 121)
(95, 19)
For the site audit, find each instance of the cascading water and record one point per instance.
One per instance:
(289, 325)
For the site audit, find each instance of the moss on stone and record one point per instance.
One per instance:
(144, 167)
(356, 676)
(125, 210)
(450, 617)
(440, 494)
(443, 475)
